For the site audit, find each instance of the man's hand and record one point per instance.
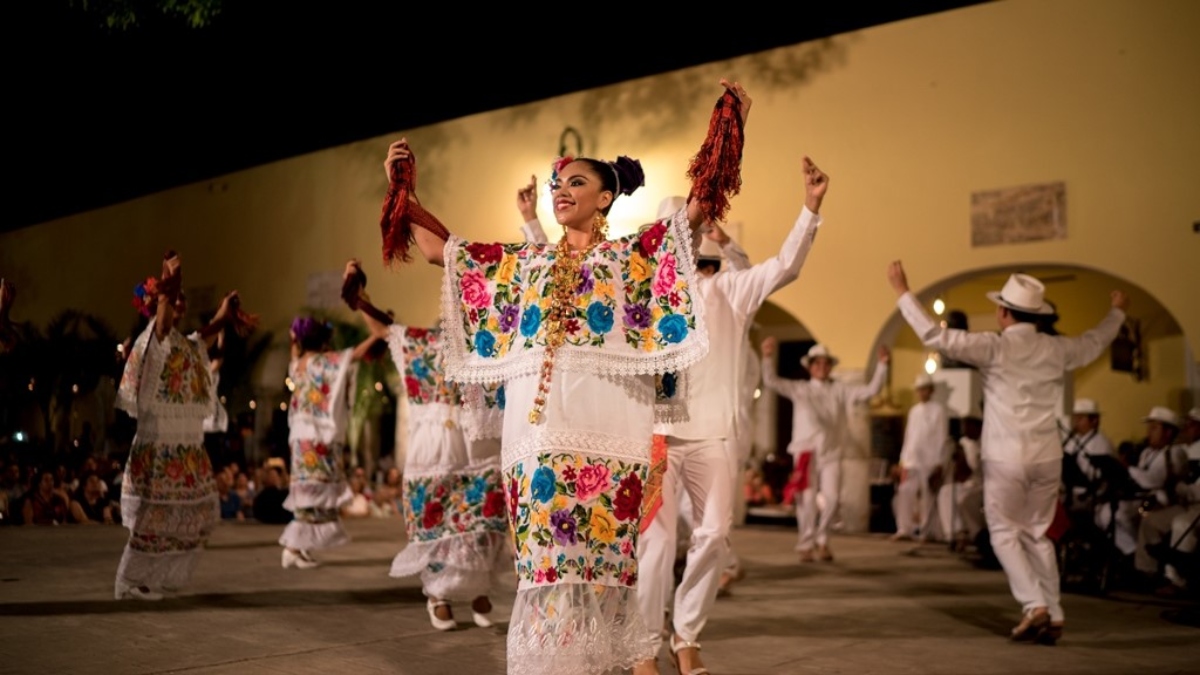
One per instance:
(718, 235)
(885, 355)
(816, 182)
(1120, 300)
(897, 278)
(769, 347)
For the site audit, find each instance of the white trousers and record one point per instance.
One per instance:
(1129, 518)
(960, 508)
(914, 503)
(813, 522)
(701, 468)
(1019, 502)
(737, 451)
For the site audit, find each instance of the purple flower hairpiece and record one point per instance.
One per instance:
(307, 329)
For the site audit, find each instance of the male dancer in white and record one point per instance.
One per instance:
(922, 457)
(697, 460)
(819, 430)
(1023, 372)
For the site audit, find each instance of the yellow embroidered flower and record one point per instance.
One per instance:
(315, 396)
(310, 459)
(647, 337)
(561, 502)
(604, 526)
(539, 518)
(493, 324)
(656, 313)
(546, 562)
(639, 270)
(604, 290)
(508, 267)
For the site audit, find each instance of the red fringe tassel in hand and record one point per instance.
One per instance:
(716, 170)
(401, 214)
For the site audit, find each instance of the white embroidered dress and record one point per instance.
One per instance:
(317, 421)
(453, 500)
(575, 479)
(168, 497)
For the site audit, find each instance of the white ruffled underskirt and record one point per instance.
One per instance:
(313, 536)
(156, 571)
(576, 628)
(462, 567)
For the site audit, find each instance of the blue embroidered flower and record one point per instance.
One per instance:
(476, 490)
(485, 343)
(416, 498)
(599, 317)
(673, 328)
(500, 398)
(542, 485)
(531, 320)
(667, 386)
(420, 370)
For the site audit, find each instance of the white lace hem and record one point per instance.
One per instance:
(576, 628)
(588, 443)
(462, 567)
(156, 571)
(313, 536)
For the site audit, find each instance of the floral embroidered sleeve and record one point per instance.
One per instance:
(633, 309)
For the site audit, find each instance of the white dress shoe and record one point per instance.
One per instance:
(296, 560)
(482, 620)
(440, 624)
(136, 593)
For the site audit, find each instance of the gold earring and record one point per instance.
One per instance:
(599, 227)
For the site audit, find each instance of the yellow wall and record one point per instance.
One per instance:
(908, 119)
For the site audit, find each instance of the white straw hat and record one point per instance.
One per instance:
(1085, 406)
(1165, 415)
(818, 351)
(1022, 293)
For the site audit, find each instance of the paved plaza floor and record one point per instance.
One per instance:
(878, 608)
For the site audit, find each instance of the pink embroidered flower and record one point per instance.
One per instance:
(593, 479)
(664, 276)
(474, 290)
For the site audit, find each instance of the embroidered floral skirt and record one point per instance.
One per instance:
(456, 532)
(575, 519)
(169, 503)
(317, 492)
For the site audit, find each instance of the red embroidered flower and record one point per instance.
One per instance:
(413, 387)
(628, 504)
(486, 254)
(493, 504)
(418, 333)
(433, 515)
(568, 473)
(512, 499)
(551, 575)
(652, 238)
(322, 449)
(572, 326)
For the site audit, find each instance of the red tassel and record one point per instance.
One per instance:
(401, 215)
(716, 169)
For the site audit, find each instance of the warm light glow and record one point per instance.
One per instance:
(76, 442)
(120, 348)
(253, 405)
(283, 406)
(939, 307)
(378, 386)
(290, 384)
(222, 400)
(74, 389)
(931, 364)
(757, 394)
(19, 436)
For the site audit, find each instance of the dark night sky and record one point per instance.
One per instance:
(96, 118)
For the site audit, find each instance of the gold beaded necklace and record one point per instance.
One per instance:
(564, 279)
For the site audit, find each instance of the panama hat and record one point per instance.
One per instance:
(1165, 415)
(923, 380)
(1022, 293)
(1085, 406)
(818, 351)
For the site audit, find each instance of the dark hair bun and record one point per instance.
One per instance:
(629, 173)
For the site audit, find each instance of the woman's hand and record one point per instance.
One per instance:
(397, 152)
(527, 200)
(769, 347)
(743, 98)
